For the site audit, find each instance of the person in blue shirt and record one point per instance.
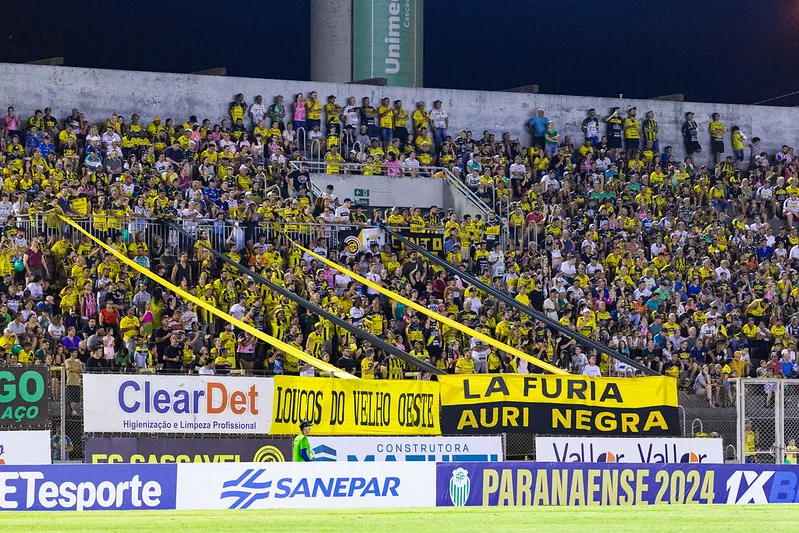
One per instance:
(764, 251)
(538, 125)
(653, 303)
(699, 352)
(788, 368)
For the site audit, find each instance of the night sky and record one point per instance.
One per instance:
(732, 51)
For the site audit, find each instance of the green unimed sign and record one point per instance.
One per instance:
(388, 41)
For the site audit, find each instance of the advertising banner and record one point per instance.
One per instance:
(564, 405)
(430, 240)
(387, 41)
(185, 450)
(23, 397)
(628, 450)
(304, 486)
(355, 407)
(521, 484)
(176, 404)
(435, 449)
(25, 447)
(87, 487)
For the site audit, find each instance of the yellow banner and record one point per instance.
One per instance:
(561, 405)
(363, 407)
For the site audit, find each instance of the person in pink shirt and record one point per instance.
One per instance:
(10, 123)
(298, 117)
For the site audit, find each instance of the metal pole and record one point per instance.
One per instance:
(740, 418)
(375, 341)
(63, 402)
(581, 339)
(779, 424)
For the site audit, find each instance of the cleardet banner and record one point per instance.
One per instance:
(566, 405)
(528, 484)
(362, 407)
(23, 397)
(415, 449)
(185, 450)
(25, 447)
(628, 450)
(176, 404)
(294, 485)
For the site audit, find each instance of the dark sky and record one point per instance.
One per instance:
(722, 51)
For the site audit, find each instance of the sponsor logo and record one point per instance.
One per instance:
(256, 484)
(650, 453)
(459, 486)
(22, 397)
(399, 449)
(188, 450)
(34, 490)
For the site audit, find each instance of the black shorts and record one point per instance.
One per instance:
(73, 393)
(692, 146)
(632, 144)
(247, 357)
(614, 142)
(718, 146)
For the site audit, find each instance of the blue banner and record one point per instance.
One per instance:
(577, 484)
(87, 487)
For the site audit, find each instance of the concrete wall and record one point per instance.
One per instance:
(100, 93)
(385, 191)
(331, 41)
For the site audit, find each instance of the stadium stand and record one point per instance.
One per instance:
(687, 270)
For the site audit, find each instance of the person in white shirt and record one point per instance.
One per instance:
(257, 111)
(110, 137)
(591, 369)
(351, 115)
(790, 208)
(343, 211)
(569, 267)
(238, 309)
(440, 122)
(375, 278)
(723, 268)
(356, 312)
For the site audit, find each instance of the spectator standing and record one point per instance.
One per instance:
(538, 125)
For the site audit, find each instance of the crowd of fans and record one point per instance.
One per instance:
(685, 268)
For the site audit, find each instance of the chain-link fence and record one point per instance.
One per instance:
(768, 420)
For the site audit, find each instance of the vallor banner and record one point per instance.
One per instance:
(565, 405)
(363, 407)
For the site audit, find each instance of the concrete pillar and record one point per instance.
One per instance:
(331, 40)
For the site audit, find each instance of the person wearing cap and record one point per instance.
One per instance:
(302, 449)
(690, 135)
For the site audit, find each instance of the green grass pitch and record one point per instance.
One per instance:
(692, 518)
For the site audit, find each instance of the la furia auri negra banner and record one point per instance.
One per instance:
(563, 405)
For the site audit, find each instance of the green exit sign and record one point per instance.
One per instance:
(361, 192)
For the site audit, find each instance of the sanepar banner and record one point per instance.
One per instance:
(579, 484)
(176, 404)
(356, 407)
(566, 405)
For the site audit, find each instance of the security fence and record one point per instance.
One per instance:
(768, 420)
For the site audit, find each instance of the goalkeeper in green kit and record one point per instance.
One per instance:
(302, 450)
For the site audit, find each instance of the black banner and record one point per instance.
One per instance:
(190, 450)
(430, 240)
(24, 399)
(558, 419)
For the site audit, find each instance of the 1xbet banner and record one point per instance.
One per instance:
(579, 484)
(561, 405)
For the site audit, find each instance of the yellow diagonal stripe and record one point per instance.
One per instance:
(432, 314)
(280, 345)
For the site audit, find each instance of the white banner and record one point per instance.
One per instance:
(121, 403)
(25, 448)
(303, 485)
(440, 449)
(628, 450)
